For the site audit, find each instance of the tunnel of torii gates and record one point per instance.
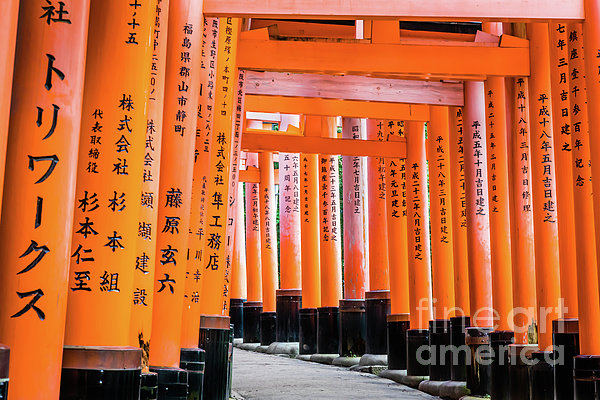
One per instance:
(359, 177)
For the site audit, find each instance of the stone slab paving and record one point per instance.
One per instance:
(264, 376)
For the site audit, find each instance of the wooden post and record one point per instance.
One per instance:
(356, 275)
(378, 240)
(477, 205)
(330, 242)
(587, 270)
(253, 305)
(270, 279)
(238, 287)
(175, 189)
(459, 213)
(377, 305)
(289, 296)
(523, 252)
(203, 144)
(547, 269)
(419, 267)
(395, 180)
(143, 280)
(8, 39)
(356, 278)
(49, 71)
(563, 153)
(499, 196)
(442, 265)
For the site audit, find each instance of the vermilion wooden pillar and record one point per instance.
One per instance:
(378, 241)
(442, 265)
(356, 279)
(238, 289)
(203, 143)
(523, 253)
(419, 267)
(253, 305)
(563, 153)
(355, 261)
(311, 249)
(398, 320)
(498, 189)
(270, 279)
(544, 185)
(477, 205)
(289, 297)
(330, 241)
(175, 189)
(591, 27)
(378, 297)
(8, 39)
(42, 157)
(589, 308)
(143, 280)
(459, 213)
(214, 296)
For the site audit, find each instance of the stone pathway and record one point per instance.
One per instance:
(264, 377)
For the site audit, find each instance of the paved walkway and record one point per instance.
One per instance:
(264, 377)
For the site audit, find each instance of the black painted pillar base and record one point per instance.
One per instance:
(565, 338)
(586, 375)
(98, 373)
(520, 359)
(440, 368)
(289, 302)
(214, 340)
(149, 389)
(328, 330)
(353, 328)
(378, 307)
(307, 318)
(251, 321)
(417, 352)
(478, 371)
(192, 360)
(397, 326)
(458, 329)
(172, 383)
(236, 313)
(542, 376)
(499, 342)
(230, 361)
(4, 362)
(268, 328)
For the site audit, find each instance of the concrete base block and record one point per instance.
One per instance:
(454, 390)
(346, 361)
(431, 387)
(368, 360)
(238, 341)
(289, 348)
(413, 381)
(397, 375)
(369, 369)
(324, 358)
(304, 357)
(249, 346)
(262, 349)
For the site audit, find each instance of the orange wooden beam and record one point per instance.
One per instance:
(364, 58)
(346, 147)
(335, 107)
(355, 87)
(461, 10)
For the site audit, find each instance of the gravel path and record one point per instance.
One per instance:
(264, 377)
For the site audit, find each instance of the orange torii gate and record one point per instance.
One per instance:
(521, 171)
